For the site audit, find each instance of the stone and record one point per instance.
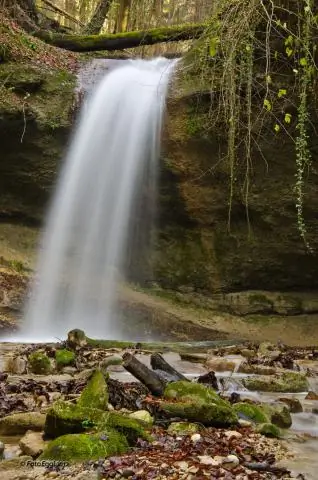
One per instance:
(219, 364)
(182, 428)
(195, 438)
(182, 465)
(208, 460)
(13, 464)
(293, 404)
(32, 444)
(292, 382)
(69, 370)
(20, 423)
(16, 365)
(268, 350)
(256, 369)
(232, 434)
(244, 423)
(143, 416)
(251, 412)
(231, 461)
(279, 414)
(269, 430)
(84, 447)
(76, 338)
(247, 353)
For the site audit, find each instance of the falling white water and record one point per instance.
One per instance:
(87, 234)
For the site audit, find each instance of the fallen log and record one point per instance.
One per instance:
(119, 41)
(146, 376)
(158, 363)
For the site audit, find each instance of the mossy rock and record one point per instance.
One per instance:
(39, 363)
(142, 416)
(209, 414)
(95, 394)
(20, 423)
(64, 418)
(269, 430)
(84, 447)
(279, 415)
(285, 382)
(188, 391)
(182, 428)
(64, 357)
(252, 412)
(76, 338)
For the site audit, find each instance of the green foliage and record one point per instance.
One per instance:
(64, 357)
(39, 363)
(258, 59)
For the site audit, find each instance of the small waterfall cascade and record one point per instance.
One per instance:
(82, 253)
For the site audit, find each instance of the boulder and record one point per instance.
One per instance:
(86, 446)
(20, 423)
(197, 403)
(281, 382)
(219, 364)
(76, 338)
(279, 414)
(16, 365)
(32, 444)
(251, 412)
(39, 363)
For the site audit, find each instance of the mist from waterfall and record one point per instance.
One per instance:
(113, 153)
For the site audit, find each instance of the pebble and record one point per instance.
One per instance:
(182, 465)
(207, 460)
(196, 437)
(231, 461)
(232, 434)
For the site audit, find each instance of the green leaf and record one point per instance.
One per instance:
(214, 46)
(276, 127)
(289, 40)
(268, 79)
(303, 62)
(287, 118)
(289, 51)
(282, 92)
(267, 105)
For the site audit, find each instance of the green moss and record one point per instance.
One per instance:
(186, 391)
(279, 415)
(286, 382)
(95, 394)
(76, 338)
(39, 363)
(269, 430)
(64, 357)
(182, 428)
(251, 412)
(63, 418)
(210, 414)
(82, 447)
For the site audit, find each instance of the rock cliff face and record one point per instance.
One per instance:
(196, 248)
(35, 117)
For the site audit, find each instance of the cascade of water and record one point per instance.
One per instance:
(87, 235)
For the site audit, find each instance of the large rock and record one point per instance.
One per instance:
(284, 382)
(84, 447)
(196, 403)
(32, 444)
(95, 394)
(20, 423)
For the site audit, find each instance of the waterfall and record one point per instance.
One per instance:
(82, 254)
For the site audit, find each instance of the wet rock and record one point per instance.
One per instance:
(20, 423)
(209, 379)
(182, 428)
(293, 404)
(251, 412)
(312, 396)
(32, 444)
(268, 350)
(76, 338)
(269, 430)
(143, 416)
(16, 365)
(281, 382)
(279, 414)
(256, 369)
(218, 364)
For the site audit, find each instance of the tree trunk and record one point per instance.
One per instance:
(122, 17)
(97, 21)
(119, 41)
(159, 363)
(146, 376)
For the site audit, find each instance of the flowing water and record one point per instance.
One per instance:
(111, 161)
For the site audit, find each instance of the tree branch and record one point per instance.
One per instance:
(119, 41)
